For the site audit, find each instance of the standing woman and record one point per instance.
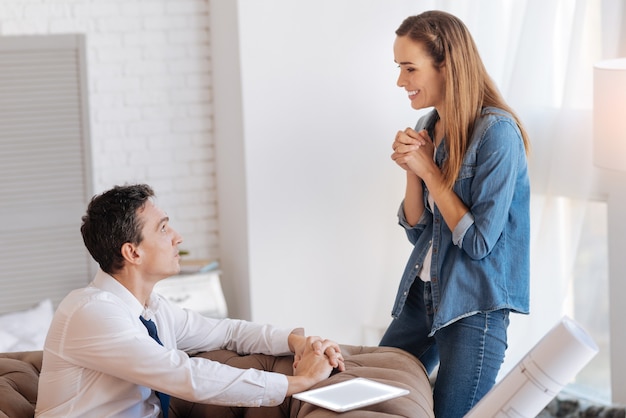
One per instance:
(465, 210)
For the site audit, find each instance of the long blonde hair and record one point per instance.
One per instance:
(468, 87)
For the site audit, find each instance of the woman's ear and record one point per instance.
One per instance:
(131, 253)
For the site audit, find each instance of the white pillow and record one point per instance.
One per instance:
(25, 330)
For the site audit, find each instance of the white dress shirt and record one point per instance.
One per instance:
(99, 360)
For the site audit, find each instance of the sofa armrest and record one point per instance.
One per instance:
(19, 376)
(387, 365)
(180, 408)
(384, 364)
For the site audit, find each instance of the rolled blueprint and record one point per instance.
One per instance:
(551, 364)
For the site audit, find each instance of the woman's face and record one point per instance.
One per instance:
(424, 83)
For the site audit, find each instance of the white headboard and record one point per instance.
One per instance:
(45, 167)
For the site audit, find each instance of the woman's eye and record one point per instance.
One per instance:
(407, 69)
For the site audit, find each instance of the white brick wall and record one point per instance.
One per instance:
(149, 97)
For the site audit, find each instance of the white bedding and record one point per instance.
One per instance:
(25, 330)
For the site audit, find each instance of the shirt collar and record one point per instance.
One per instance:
(106, 282)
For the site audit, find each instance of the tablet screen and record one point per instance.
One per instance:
(351, 394)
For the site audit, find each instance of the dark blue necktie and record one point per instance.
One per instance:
(152, 331)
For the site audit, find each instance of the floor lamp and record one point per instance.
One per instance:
(609, 152)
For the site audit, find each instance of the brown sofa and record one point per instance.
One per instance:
(19, 373)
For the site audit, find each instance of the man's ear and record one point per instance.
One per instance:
(131, 253)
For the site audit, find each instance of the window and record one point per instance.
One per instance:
(587, 301)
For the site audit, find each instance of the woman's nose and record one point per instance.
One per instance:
(400, 82)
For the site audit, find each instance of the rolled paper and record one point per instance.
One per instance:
(540, 375)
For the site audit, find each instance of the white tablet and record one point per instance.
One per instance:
(351, 394)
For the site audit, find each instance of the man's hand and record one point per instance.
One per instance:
(299, 345)
(314, 360)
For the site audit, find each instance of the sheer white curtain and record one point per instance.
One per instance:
(541, 55)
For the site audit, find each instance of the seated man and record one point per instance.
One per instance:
(115, 348)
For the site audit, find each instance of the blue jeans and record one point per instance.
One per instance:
(469, 351)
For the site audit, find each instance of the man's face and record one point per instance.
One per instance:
(159, 248)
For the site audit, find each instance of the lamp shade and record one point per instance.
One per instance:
(609, 114)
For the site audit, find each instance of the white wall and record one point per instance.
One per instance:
(319, 108)
(149, 96)
(310, 193)
(306, 107)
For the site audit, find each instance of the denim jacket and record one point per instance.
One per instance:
(483, 265)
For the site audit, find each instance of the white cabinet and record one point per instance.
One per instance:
(201, 292)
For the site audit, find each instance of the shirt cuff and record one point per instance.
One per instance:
(461, 228)
(281, 347)
(276, 386)
(402, 218)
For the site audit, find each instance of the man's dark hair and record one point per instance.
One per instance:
(111, 221)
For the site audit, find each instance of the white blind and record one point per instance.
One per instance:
(44, 168)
